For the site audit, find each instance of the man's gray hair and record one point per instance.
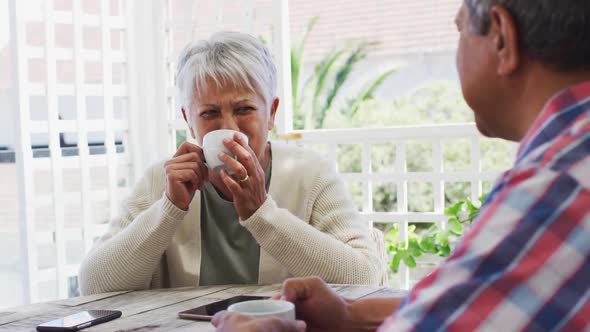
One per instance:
(229, 60)
(555, 32)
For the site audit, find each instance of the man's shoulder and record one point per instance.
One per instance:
(553, 174)
(566, 150)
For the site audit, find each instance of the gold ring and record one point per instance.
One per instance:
(244, 179)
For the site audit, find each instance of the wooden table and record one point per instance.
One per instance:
(154, 310)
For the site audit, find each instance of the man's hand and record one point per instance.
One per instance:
(232, 322)
(186, 173)
(324, 310)
(317, 304)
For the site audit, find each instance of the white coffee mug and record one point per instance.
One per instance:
(265, 308)
(213, 144)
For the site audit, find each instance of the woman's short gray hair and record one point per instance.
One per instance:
(551, 31)
(229, 60)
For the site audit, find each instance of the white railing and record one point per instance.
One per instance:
(366, 138)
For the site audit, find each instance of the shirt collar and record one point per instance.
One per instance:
(557, 114)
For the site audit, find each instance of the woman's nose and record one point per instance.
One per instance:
(229, 122)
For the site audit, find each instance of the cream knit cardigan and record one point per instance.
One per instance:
(308, 226)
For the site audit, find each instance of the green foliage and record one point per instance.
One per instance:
(314, 100)
(434, 240)
(343, 71)
(433, 102)
(367, 92)
(321, 73)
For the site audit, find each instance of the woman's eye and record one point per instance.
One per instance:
(208, 114)
(245, 109)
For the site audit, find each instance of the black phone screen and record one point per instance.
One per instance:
(215, 307)
(80, 320)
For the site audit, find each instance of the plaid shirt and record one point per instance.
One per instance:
(525, 264)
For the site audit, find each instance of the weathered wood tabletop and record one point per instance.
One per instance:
(154, 310)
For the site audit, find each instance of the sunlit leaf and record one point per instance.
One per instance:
(409, 261)
(455, 226)
(444, 251)
(427, 244)
(368, 92)
(394, 265)
(471, 207)
(454, 209)
(442, 238)
(414, 248)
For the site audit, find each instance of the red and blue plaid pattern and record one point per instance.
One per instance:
(525, 264)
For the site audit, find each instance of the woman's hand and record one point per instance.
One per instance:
(247, 185)
(230, 321)
(186, 173)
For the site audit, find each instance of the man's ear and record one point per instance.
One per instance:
(188, 123)
(504, 32)
(273, 112)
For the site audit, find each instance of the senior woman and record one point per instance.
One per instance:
(284, 211)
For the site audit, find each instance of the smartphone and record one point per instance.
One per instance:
(79, 320)
(207, 311)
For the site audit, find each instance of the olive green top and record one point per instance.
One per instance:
(229, 252)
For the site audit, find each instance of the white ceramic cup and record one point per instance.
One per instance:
(265, 308)
(213, 144)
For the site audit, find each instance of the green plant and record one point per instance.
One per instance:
(433, 240)
(367, 93)
(314, 100)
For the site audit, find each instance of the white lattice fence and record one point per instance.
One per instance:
(71, 95)
(396, 171)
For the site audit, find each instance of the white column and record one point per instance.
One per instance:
(476, 184)
(367, 182)
(148, 118)
(402, 207)
(23, 153)
(109, 128)
(83, 151)
(170, 71)
(282, 48)
(438, 186)
(55, 150)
